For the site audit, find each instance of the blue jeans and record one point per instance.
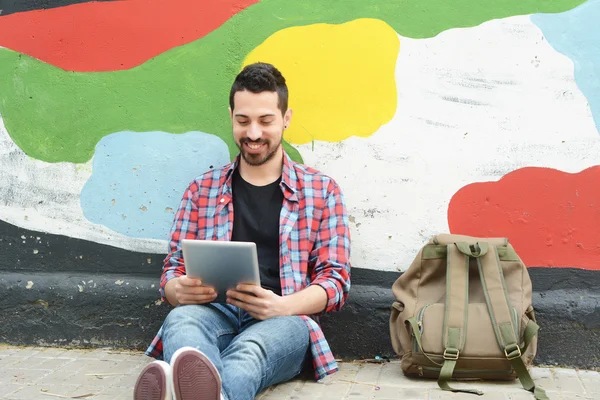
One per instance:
(249, 354)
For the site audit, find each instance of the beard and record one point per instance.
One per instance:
(257, 160)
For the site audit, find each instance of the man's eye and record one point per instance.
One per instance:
(243, 122)
(269, 122)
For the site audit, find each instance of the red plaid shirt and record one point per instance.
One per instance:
(314, 240)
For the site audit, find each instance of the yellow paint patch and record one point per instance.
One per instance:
(341, 78)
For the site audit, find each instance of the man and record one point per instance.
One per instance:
(296, 216)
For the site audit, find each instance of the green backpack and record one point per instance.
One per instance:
(464, 310)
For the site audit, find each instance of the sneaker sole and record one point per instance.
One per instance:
(153, 383)
(195, 376)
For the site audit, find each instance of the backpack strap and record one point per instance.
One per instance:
(498, 304)
(456, 312)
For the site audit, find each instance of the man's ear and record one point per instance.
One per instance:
(230, 113)
(287, 118)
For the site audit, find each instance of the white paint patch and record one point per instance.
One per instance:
(43, 196)
(473, 105)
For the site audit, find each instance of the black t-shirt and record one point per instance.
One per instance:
(256, 211)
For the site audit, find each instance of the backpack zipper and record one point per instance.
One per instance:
(517, 325)
(420, 316)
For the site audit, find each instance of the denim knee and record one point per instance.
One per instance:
(179, 314)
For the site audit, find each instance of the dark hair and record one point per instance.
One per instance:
(261, 77)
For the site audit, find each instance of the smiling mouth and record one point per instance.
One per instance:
(254, 147)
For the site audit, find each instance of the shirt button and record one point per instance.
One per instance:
(222, 200)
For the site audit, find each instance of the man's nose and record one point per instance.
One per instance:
(254, 132)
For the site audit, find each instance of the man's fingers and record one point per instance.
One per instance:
(198, 295)
(244, 297)
(256, 316)
(250, 308)
(185, 280)
(195, 295)
(249, 288)
(195, 299)
(195, 289)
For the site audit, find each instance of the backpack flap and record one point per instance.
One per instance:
(447, 238)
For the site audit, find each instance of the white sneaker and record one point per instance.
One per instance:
(195, 377)
(154, 382)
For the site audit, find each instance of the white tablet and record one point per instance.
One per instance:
(221, 264)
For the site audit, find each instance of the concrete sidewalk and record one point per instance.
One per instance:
(53, 373)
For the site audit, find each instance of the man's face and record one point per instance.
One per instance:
(258, 125)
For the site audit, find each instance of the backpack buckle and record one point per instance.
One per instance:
(451, 354)
(512, 351)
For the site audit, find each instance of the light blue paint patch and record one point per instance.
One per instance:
(138, 178)
(576, 34)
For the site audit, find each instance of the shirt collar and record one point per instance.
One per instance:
(288, 174)
(289, 178)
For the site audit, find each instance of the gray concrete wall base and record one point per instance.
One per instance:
(73, 309)
(70, 309)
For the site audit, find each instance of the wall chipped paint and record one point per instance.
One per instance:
(37, 195)
(456, 101)
(89, 300)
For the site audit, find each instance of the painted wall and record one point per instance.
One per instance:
(433, 116)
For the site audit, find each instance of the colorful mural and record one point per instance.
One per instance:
(432, 115)
(165, 93)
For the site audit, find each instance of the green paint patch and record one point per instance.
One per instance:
(56, 115)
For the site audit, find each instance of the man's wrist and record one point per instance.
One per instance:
(288, 306)
(170, 293)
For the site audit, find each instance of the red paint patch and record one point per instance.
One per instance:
(108, 36)
(552, 218)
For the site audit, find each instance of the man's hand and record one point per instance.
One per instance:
(258, 302)
(191, 291)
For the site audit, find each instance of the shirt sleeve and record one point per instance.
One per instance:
(185, 226)
(330, 256)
